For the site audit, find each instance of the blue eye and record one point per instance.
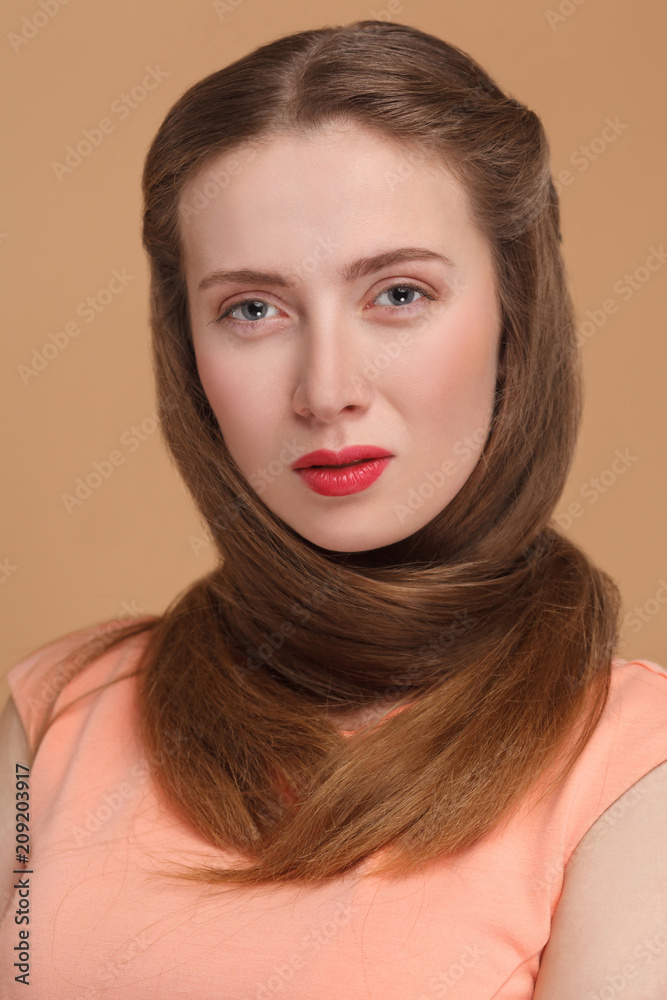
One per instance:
(253, 303)
(402, 290)
(256, 305)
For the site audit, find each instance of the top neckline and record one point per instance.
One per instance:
(392, 711)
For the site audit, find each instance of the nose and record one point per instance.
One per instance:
(330, 374)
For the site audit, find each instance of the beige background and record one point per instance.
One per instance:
(137, 541)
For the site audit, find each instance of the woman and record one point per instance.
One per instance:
(355, 759)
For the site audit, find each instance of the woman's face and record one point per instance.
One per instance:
(370, 318)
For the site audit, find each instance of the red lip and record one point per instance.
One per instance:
(355, 453)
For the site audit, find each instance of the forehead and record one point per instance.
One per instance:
(340, 179)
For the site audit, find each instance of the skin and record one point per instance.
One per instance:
(331, 362)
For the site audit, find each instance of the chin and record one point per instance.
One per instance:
(350, 541)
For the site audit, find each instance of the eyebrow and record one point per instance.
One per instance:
(351, 272)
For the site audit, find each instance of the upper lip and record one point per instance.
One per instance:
(324, 456)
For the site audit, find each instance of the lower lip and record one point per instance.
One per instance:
(334, 482)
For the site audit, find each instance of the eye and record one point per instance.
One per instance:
(403, 292)
(254, 307)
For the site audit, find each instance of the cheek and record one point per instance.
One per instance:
(457, 373)
(242, 402)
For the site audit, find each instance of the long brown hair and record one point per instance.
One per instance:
(495, 630)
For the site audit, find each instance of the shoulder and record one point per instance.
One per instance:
(609, 930)
(38, 681)
(635, 684)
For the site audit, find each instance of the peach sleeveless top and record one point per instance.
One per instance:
(103, 924)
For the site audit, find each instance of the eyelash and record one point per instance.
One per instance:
(259, 322)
